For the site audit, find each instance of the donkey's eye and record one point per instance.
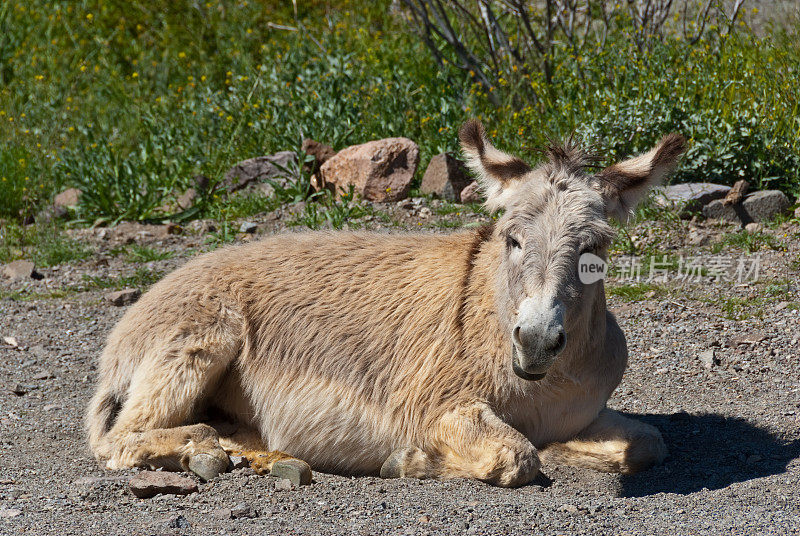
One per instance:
(512, 242)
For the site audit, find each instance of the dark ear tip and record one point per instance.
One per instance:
(471, 134)
(674, 143)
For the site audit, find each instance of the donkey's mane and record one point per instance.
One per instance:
(568, 156)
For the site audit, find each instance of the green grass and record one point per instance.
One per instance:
(45, 245)
(129, 103)
(28, 295)
(747, 241)
(139, 253)
(635, 291)
(141, 278)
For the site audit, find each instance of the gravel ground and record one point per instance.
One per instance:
(732, 423)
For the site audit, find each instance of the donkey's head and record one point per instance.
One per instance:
(553, 215)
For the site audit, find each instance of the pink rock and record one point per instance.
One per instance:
(379, 170)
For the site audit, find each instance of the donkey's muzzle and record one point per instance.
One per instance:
(538, 338)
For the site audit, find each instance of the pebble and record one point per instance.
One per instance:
(283, 484)
(43, 375)
(123, 297)
(150, 483)
(9, 512)
(19, 390)
(707, 358)
(297, 472)
(239, 462)
(248, 227)
(242, 510)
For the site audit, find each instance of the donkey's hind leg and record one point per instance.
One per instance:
(611, 443)
(164, 393)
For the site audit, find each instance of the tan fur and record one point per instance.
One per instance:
(343, 348)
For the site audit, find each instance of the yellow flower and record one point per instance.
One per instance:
(181, 55)
(89, 16)
(135, 75)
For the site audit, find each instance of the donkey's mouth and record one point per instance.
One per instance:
(519, 371)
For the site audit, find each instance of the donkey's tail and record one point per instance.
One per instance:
(101, 415)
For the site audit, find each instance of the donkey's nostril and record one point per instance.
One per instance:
(515, 336)
(558, 343)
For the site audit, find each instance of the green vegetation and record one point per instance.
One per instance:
(128, 101)
(141, 278)
(635, 291)
(750, 242)
(43, 244)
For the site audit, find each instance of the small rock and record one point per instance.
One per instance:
(255, 172)
(242, 510)
(43, 375)
(11, 341)
(297, 472)
(425, 212)
(150, 483)
(471, 193)
(753, 227)
(9, 512)
(750, 338)
(51, 407)
(187, 199)
(222, 513)
(19, 390)
(569, 508)
(707, 358)
(239, 462)
(124, 297)
(797, 213)
(446, 177)
(283, 484)
(248, 227)
(202, 226)
(69, 198)
(179, 522)
(424, 519)
(19, 270)
(38, 351)
(379, 170)
(697, 238)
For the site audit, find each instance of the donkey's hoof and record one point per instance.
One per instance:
(208, 466)
(404, 462)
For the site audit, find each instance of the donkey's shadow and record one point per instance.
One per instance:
(710, 451)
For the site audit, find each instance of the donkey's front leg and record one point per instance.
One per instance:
(611, 443)
(471, 442)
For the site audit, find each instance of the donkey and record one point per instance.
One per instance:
(477, 354)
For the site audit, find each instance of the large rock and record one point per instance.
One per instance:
(690, 196)
(255, 172)
(756, 207)
(446, 176)
(379, 170)
(150, 483)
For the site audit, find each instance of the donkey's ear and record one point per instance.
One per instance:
(624, 184)
(497, 171)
